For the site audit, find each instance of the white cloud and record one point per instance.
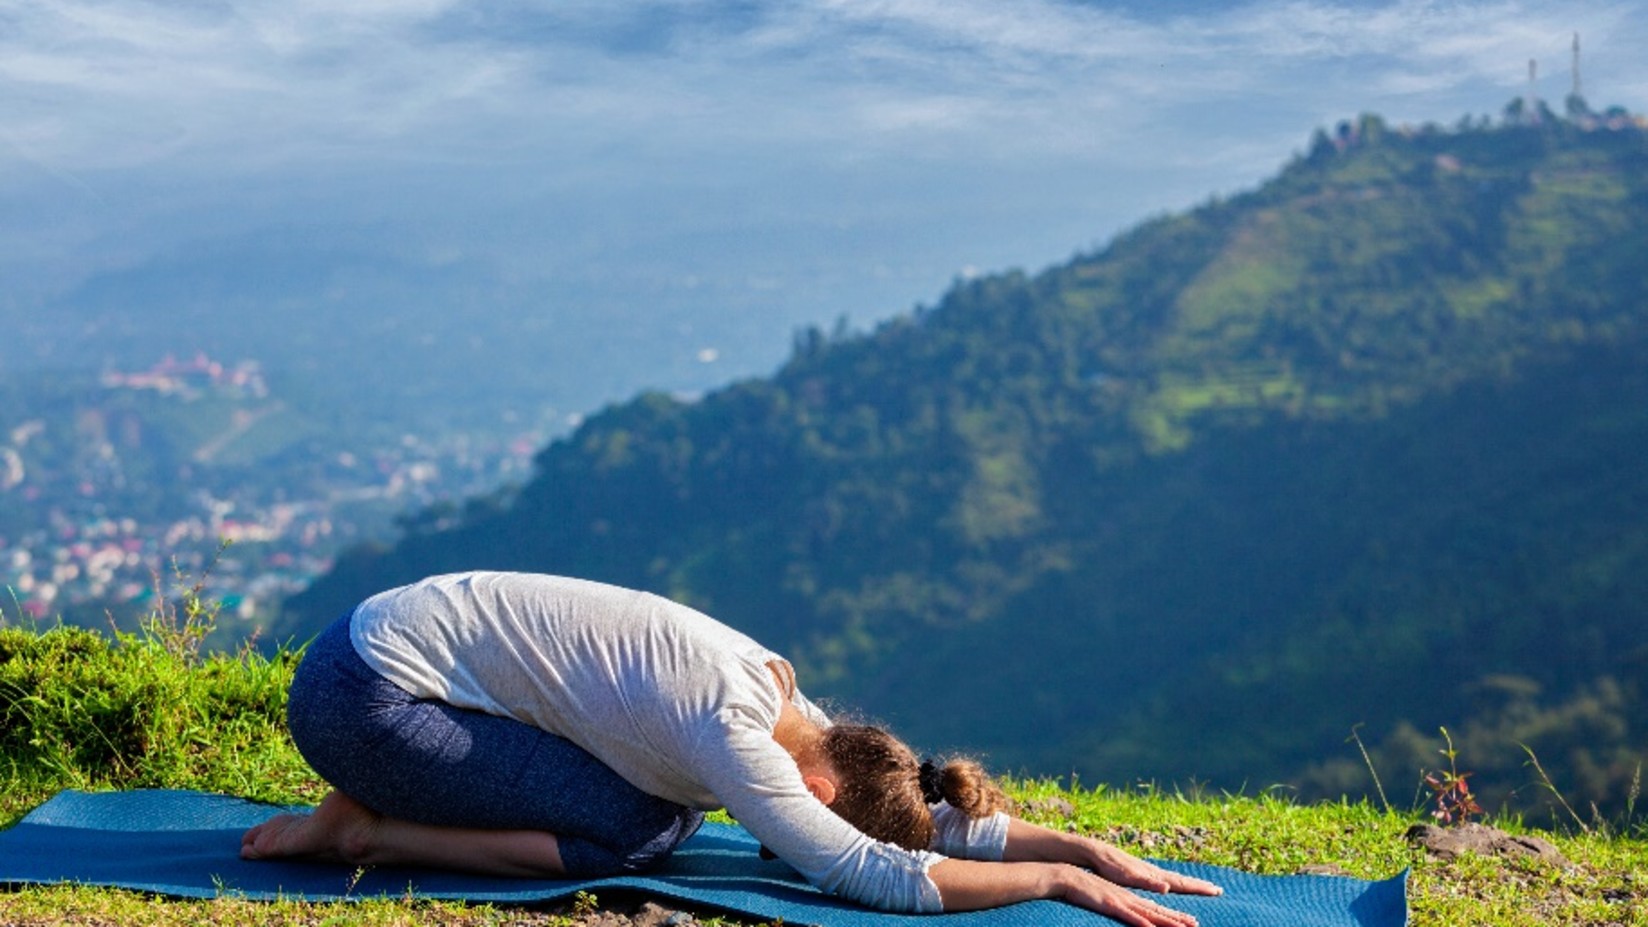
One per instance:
(104, 85)
(111, 84)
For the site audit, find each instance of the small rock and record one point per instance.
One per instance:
(1448, 842)
(652, 914)
(1189, 836)
(1323, 869)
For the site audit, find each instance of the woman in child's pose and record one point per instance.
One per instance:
(527, 725)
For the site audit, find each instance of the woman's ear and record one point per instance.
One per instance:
(822, 787)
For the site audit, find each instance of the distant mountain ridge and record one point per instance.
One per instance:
(1361, 446)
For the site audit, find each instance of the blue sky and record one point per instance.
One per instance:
(674, 187)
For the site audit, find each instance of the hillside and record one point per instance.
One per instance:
(1360, 447)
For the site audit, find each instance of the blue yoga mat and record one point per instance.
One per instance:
(187, 844)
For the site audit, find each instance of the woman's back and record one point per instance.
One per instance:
(631, 677)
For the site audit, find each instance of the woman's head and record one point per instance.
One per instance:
(884, 791)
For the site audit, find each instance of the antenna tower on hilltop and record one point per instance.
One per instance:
(1530, 101)
(1577, 93)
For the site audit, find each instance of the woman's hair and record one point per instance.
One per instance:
(884, 791)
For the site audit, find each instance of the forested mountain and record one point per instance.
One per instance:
(1364, 446)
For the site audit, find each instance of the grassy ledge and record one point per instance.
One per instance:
(81, 710)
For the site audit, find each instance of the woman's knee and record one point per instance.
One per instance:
(649, 849)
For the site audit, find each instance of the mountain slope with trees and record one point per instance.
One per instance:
(1360, 447)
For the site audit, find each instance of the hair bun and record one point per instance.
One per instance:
(969, 789)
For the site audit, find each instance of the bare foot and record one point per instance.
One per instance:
(339, 830)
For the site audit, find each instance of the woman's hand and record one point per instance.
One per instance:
(966, 885)
(1028, 842)
(1123, 868)
(1096, 893)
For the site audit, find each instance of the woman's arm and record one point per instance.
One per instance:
(1038, 862)
(1028, 842)
(967, 885)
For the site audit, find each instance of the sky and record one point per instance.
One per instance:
(667, 190)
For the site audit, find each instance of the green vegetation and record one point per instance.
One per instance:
(1357, 450)
(84, 711)
(147, 710)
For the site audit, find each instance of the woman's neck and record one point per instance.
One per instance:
(804, 742)
(800, 738)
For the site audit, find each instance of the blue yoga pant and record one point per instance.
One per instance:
(425, 761)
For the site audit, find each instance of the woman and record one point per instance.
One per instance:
(525, 725)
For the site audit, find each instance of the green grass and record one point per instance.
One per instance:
(1270, 834)
(79, 710)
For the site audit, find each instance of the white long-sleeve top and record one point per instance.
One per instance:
(679, 704)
